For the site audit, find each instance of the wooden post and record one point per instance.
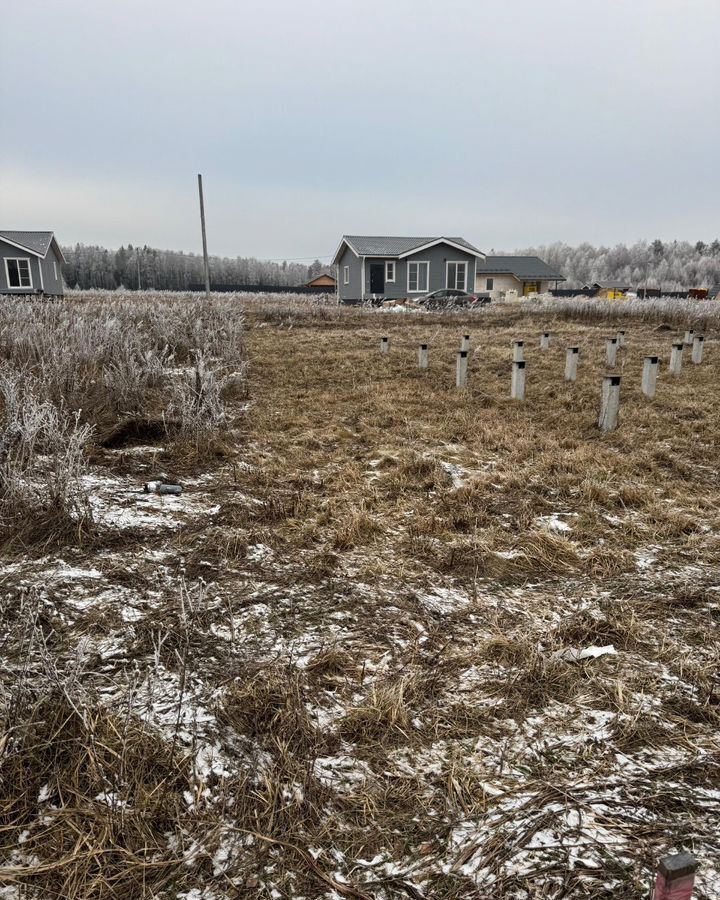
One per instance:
(384, 344)
(461, 369)
(610, 406)
(423, 356)
(689, 335)
(675, 878)
(571, 363)
(517, 382)
(206, 265)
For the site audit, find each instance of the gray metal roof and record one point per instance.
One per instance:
(37, 242)
(526, 268)
(365, 245)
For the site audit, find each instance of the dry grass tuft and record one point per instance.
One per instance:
(268, 705)
(383, 716)
(92, 793)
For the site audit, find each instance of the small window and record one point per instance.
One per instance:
(390, 270)
(18, 273)
(346, 275)
(418, 277)
(489, 282)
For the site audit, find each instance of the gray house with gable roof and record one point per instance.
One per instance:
(390, 268)
(30, 263)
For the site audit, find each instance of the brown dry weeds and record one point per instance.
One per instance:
(374, 622)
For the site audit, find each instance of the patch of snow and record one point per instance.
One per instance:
(554, 522)
(444, 600)
(258, 552)
(456, 472)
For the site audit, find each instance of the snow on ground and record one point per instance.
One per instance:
(122, 503)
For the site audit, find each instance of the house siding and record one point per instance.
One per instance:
(52, 284)
(43, 275)
(7, 251)
(351, 291)
(501, 283)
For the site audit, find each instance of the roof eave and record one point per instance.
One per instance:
(545, 276)
(58, 249)
(346, 242)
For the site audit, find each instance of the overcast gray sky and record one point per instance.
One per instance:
(509, 122)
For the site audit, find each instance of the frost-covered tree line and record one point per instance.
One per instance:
(670, 266)
(97, 267)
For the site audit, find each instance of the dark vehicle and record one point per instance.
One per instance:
(448, 297)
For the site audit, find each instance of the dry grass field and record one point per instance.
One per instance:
(345, 661)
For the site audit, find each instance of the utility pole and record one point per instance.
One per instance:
(204, 239)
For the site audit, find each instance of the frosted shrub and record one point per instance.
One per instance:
(197, 404)
(698, 313)
(110, 355)
(42, 459)
(128, 381)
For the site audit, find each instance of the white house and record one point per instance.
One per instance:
(524, 274)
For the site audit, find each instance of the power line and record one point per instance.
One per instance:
(296, 258)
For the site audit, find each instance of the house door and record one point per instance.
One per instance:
(377, 278)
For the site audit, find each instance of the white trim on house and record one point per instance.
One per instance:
(388, 263)
(362, 278)
(42, 280)
(58, 248)
(346, 274)
(336, 258)
(456, 262)
(442, 241)
(18, 287)
(418, 263)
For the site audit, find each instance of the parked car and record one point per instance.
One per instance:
(448, 297)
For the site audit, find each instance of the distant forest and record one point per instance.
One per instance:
(670, 266)
(170, 270)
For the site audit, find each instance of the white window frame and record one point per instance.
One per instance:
(18, 259)
(418, 289)
(388, 264)
(346, 274)
(456, 262)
